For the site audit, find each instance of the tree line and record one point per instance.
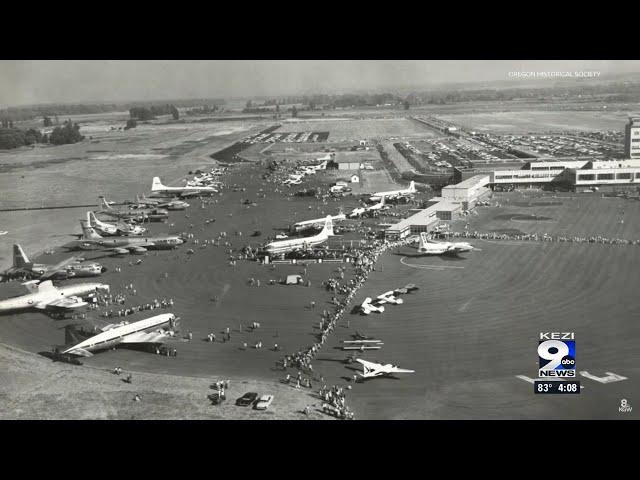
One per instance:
(11, 137)
(149, 113)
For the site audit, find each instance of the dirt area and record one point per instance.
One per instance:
(32, 387)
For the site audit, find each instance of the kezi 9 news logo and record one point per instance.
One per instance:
(557, 354)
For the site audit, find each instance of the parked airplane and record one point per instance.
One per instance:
(158, 188)
(90, 240)
(390, 297)
(4, 232)
(121, 229)
(69, 268)
(138, 215)
(372, 370)
(168, 204)
(285, 246)
(148, 331)
(430, 247)
(367, 307)
(45, 296)
(357, 212)
(395, 193)
(316, 223)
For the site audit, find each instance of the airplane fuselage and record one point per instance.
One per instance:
(36, 299)
(118, 334)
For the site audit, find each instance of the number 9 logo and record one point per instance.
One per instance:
(554, 351)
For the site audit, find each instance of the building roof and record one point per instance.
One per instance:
(471, 182)
(426, 216)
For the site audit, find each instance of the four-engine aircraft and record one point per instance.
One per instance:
(46, 296)
(69, 268)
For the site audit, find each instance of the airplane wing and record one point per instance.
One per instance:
(66, 262)
(400, 370)
(62, 303)
(367, 364)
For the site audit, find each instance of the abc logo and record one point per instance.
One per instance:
(557, 355)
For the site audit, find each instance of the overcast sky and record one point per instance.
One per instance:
(33, 82)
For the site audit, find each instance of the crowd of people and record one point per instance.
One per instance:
(124, 312)
(544, 237)
(365, 259)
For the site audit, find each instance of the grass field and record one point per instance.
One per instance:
(115, 164)
(354, 130)
(537, 121)
(578, 214)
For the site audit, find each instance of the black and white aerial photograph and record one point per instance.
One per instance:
(309, 240)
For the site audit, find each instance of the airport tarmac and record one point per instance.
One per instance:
(468, 332)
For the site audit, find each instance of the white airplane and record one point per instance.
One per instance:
(430, 247)
(150, 330)
(395, 193)
(284, 246)
(113, 229)
(157, 188)
(378, 206)
(45, 296)
(372, 370)
(390, 297)
(3, 232)
(169, 205)
(90, 240)
(317, 222)
(138, 215)
(320, 166)
(69, 268)
(367, 307)
(357, 212)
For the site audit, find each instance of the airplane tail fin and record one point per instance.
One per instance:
(104, 204)
(20, 259)
(156, 185)
(88, 233)
(92, 220)
(424, 239)
(412, 186)
(328, 226)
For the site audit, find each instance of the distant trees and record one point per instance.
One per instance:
(47, 121)
(69, 133)
(150, 113)
(131, 123)
(14, 137)
(141, 113)
(406, 104)
(294, 111)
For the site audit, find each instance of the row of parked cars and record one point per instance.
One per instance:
(250, 398)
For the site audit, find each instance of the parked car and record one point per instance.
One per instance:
(247, 399)
(264, 402)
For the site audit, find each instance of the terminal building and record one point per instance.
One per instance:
(473, 185)
(632, 138)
